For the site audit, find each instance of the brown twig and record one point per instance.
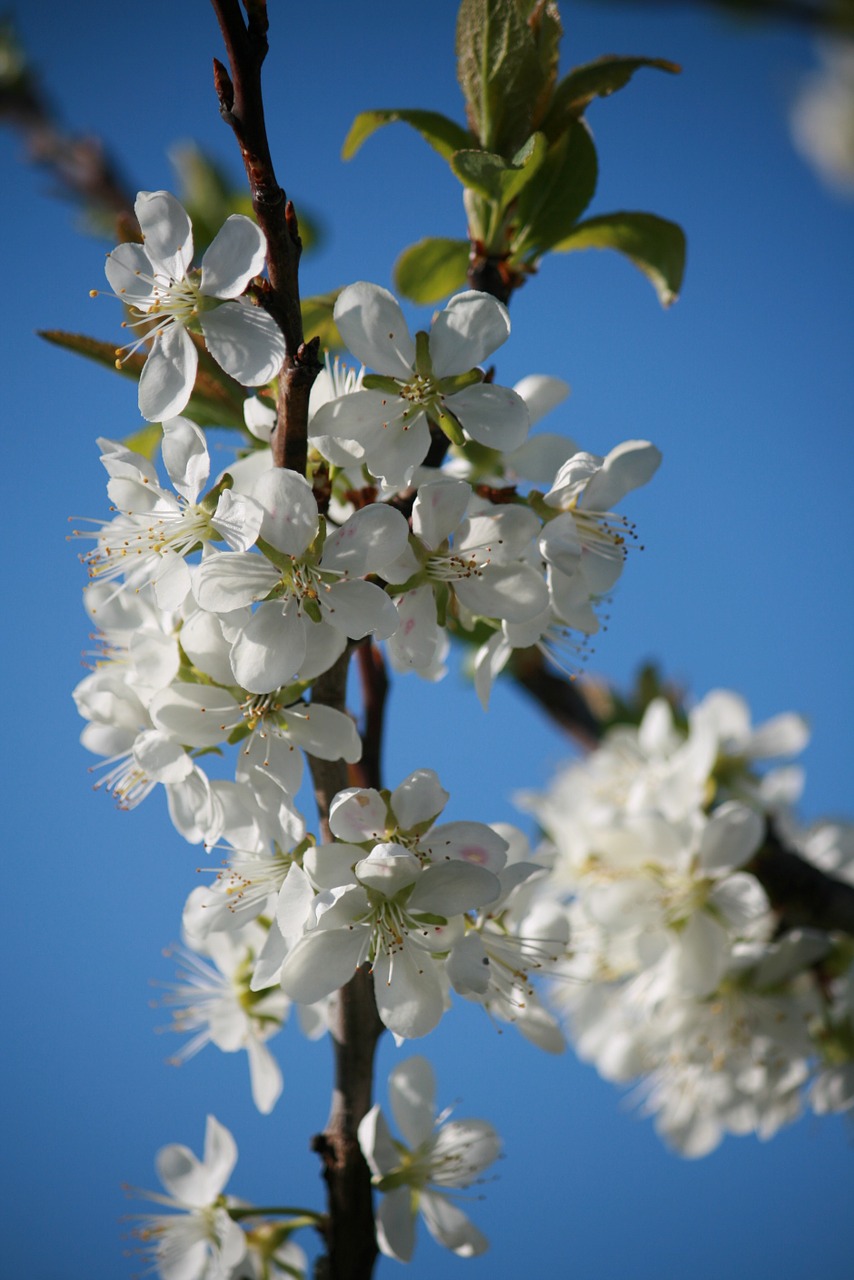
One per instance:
(351, 1247)
(367, 772)
(242, 107)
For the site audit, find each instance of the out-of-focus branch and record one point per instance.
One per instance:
(242, 107)
(832, 17)
(559, 697)
(801, 893)
(80, 164)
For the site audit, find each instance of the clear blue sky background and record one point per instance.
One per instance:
(747, 386)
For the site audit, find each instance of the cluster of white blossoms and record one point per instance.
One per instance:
(219, 601)
(427, 511)
(680, 977)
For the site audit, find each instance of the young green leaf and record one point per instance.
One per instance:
(596, 79)
(494, 177)
(432, 269)
(499, 71)
(548, 209)
(444, 135)
(654, 245)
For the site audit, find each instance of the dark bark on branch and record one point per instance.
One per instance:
(367, 772)
(560, 698)
(801, 894)
(242, 107)
(351, 1247)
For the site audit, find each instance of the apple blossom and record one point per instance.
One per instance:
(418, 1174)
(155, 280)
(199, 1241)
(433, 379)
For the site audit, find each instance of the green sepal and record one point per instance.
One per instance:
(197, 752)
(654, 245)
(442, 597)
(423, 363)
(495, 178)
(278, 558)
(432, 269)
(448, 423)
(238, 733)
(398, 589)
(211, 499)
(443, 135)
(549, 208)
(379, 382)
(312, 608)
(427, 917)
(597, 79)
(459, 382)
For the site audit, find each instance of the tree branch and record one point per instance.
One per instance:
(242, 107)
(803, 895)
(356, 1027)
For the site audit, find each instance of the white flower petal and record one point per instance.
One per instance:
(627, 467)
(168, 375)
(269, 650)
(167, 230)
(245, 341)
(471, 327)
(369, 540)
(438, 509)
(450, 1227)
(372, 327)
(492, 415)
(235, 255)
(412, 1096)
(265, 1076)
(419, 798)
(408, 993)
(395, 1223)
(185, 456)
(357, 608)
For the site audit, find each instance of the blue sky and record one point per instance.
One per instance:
(746, 385)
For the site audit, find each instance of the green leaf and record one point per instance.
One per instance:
(431, 269)
(546, 29)
(499, 71)
(549, 208)
(497, 179)
(654, 245)
(596, 79)
(444, 135)
(318, 320)
(145, 441)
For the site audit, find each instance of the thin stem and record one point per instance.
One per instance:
(242, 107)
(308, 1217)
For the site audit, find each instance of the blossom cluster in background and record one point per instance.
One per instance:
(681, 977)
